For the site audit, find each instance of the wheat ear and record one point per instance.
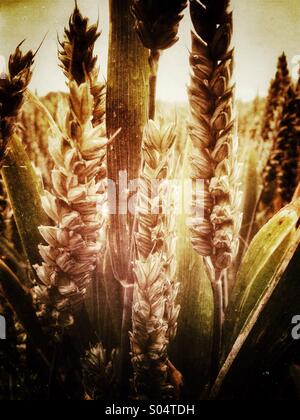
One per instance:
(270, 109)
(75, 205)
(211, 95)
(155, 311)
(271, 127)
(79, 62)
(13, 86)
(286, 154)
(100, 373)
(157, 24)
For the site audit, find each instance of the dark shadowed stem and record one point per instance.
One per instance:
(225, 290)
(217, 287)
(125, 364)
(127, 108)
(153, 62)
(84, 329)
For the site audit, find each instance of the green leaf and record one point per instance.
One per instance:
(265, 256)
(23, 189)
(265, 336)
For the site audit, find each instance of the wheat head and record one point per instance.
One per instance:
(286, 157)
(100, 373)
(215, 234)
(78, 148)
(78, 180)
(155, 311)
(212, 132)
(271, 127)
(74, 205)
(79, 62)
(12, 94)
(157, 22)
(270, 109)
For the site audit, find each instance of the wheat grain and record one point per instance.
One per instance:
(79, 62)
(274, 113)
(75, 205)
(99, 373)
(286, 156)
(275, 100)
(211, 130)
(78, 149)
(33, 129)
(12, 89)
(211, 95)
(155, 311)
(157, 24)
(271, 106)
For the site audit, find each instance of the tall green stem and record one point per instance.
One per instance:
(153, 62)
(127, 102)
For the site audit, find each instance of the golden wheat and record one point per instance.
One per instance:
(157, 24)
(79, 62)
(215, 236)
(12, 89)
(155, 311)
(74, 205)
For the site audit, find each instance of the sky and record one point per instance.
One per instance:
(263, 29)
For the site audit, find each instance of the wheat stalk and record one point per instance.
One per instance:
(33, 129)
(157, 24)
(211, 95)
(275, 100)
(286, 156)
(79, 62)
(13, 86)
(271, 106)
(75, 204)
(155, 311)
(271, 127)
(12, 89)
